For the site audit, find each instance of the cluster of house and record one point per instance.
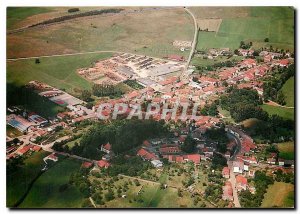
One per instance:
(21, 151)
(240, 184)
(154, 149)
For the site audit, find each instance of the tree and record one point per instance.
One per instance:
(37, 61)
(281, 98)
(266, 40)
(189, 145)
(86, 95)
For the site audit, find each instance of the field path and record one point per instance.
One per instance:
(272, 103)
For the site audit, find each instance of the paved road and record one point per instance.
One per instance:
(194, 40)
(230, 166)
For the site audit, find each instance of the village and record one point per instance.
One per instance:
(162, 84)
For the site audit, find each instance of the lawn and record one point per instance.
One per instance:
(288, 91)
(45, 191)
(287, 113)
(280, 195)
(286, 150)
(59, 72)
(138, 33)
(17, 182)
(254, 25)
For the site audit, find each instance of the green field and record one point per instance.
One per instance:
(279, 195)
(258, 23)
(288, 91)
(17, 14)
(138, 33)
(286, 150)
(287, 113)
(18, 181)
(59, 72)
(45, 191)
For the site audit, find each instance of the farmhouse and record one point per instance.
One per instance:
(241, 182)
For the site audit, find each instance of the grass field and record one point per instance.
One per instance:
(288, 91)
(280, 195)
(251, 24)
(286, 150)
(287, 113)
(131, 33)
(17, 182)
(45, 191)
(18, 14)
(59, 72)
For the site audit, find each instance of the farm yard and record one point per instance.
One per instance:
(128, 32)
(279, 194)
(248, 24)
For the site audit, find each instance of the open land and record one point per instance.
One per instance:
(279, 195)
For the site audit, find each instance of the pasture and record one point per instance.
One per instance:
(138, 33)
(45, 191)
(59, 72)
(279, 194)
(286, 150)
(251, 24)
(286, 113)
(288, 91)
(18, 181)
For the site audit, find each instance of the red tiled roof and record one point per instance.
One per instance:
(225, 171)
(146, 143)
(107, 146)
(24, 149)
(242, 180)
(103, 163)
(86, 164)
(147, 155)
(36, 148)
(194, 158)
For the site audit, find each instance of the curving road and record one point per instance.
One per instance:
(194, 40)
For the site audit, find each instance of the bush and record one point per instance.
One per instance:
(73, 10)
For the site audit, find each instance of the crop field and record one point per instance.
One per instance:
(287, 113)
(288, 91)
(59, 72)
(18, 181)
(138, 33)
(45, 191)
(250, 24)
(280, 195)
(286, 150)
